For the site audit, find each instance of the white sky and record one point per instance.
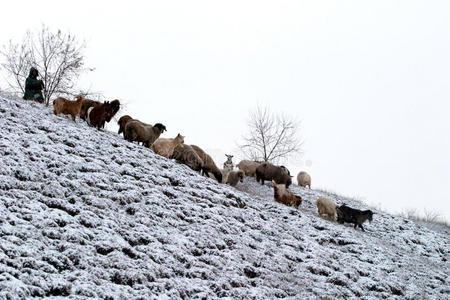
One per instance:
(369, 79)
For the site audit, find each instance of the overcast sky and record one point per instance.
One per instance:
(369, 79)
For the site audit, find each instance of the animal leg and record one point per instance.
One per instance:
(360, 226)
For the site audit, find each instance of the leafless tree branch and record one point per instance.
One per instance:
(270, 137)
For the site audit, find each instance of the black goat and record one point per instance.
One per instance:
(352, 215)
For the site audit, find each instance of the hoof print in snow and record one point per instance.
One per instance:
(104, 249)
(198, 252)
(43, 128)
(137, 241)
(396, 291)
(60, 290)
(175, 182)
(238, 202)
(169, 194)
(58, 205)
(122, 279)
(318, 227)
(21, 176)
(337, 280)
(129, 252)
(69, 144)
(251, 272)
(130, 210)
(318, 271)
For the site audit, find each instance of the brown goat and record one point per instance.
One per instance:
(122, 122)
(285, 196)
(67, 107)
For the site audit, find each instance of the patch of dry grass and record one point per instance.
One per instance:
(428, 216)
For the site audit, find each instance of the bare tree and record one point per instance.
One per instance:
(270, 137)
(58, 57)
(18, 60)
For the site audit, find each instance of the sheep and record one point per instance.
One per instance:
(96, 116)
(208, 164)
(164, 147)
(327, 207)
(136, 130)
(87, 103)
(122, 122)
(267, 171)
(249, 167)
(185, 154)
(67, 107)
(352, 215)
(303, 179)
(228, 164)
(285, 196)
(234, 176)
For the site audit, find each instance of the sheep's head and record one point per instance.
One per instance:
(340, 215)
(123, 120)
(288, 182)
(218, 176)
(369, 214)
(180, 138)
(115, 105)
(229, 158)
(161, 127)
(240, 175)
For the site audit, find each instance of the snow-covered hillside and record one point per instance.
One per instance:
(85, 213)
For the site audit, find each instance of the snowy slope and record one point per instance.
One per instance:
(85, 213)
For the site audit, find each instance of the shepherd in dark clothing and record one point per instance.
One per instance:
(33, 87)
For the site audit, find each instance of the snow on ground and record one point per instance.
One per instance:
(86, 214)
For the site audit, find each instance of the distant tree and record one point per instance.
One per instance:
(270, 137)
(58, 57)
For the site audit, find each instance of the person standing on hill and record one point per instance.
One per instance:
(33, 87)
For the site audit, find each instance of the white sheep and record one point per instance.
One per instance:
(326, 206)
(303, 179)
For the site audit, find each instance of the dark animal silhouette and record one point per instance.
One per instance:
(352, 215)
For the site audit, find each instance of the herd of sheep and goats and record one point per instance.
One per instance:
(96, 114)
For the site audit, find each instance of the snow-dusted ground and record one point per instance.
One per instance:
(86, 214)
